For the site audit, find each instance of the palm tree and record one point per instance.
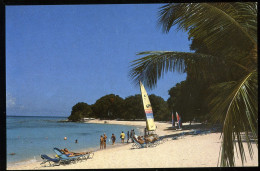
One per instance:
(224, 37)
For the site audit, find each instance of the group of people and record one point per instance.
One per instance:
(103, 141)
(130, 135)
(103, 138)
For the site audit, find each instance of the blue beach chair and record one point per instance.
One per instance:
(74, 158)
(89, 155)
(144, 145)
(197, 132)
(63, 156)
(161, 140)
(138, 145)
(52, 161)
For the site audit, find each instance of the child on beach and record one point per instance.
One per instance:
(122, 136)
(113, 138)
(101, 142)
(105, 141)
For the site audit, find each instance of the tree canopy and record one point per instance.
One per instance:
(79, 111)
(108, 107)
(114, 107)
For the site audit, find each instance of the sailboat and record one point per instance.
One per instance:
(179, 121)
(150, 126)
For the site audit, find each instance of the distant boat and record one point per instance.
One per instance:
(150, 126)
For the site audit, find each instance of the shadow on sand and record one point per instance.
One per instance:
(193, 129)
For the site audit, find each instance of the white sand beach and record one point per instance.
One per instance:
(187, 151)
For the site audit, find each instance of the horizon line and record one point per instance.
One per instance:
(35, 116)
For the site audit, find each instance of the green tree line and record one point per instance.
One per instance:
(114, 107)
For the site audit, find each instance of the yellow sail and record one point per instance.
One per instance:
(147, 109)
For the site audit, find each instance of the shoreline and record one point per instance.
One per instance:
(32, 160)
(32, 163)
(187, 151)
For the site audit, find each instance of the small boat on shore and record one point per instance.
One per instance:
(150, 130)
(150, 126)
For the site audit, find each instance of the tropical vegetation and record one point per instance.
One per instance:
(224, 38)
(187, 98)
(114, 107)
(79, 111)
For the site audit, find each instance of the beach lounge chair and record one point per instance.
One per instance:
(52, 161)
(160, 141)
(175, 138)
(180, 135)
(196, 132)
(89, 155)
(63, 156)
(139, 145)
(74, 158)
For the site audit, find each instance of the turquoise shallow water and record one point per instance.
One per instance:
(29, 137)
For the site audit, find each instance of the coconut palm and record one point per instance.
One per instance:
(224, 37)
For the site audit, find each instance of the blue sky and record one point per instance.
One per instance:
(59, 55)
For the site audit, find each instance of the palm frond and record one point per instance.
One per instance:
(216, 24)
(152, 67)
(238, 111)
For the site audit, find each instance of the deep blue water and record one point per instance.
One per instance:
(29, 137)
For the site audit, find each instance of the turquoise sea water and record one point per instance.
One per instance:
(29, 137)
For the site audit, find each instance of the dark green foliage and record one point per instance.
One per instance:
(187, 98)
(79, 111)
(161, 111)
(133, 108)
(108, 107)
(114, 107)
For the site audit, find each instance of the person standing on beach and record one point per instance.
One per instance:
(105, 141)
(131, 135)
(127, 136)
(101, 142)
(122, 136)
(113, 138)
(181, 122)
